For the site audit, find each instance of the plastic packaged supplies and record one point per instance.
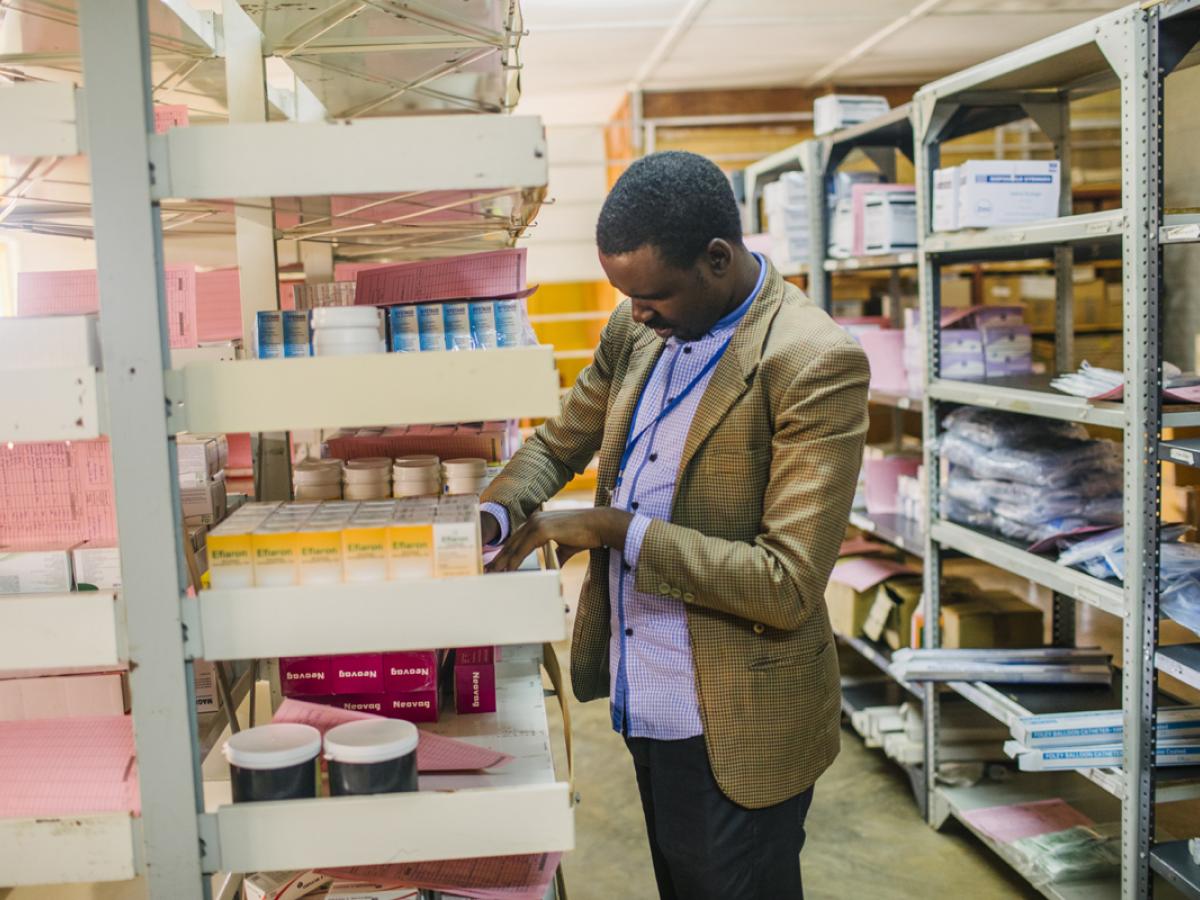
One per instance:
(1074, 854)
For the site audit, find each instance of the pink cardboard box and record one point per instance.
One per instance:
(358, 673)
(305, 676)
(415, 670)
(475, 656)
(475, 688)
(414, 706)
(63, 697)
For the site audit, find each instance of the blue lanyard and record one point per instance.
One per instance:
(670, 407)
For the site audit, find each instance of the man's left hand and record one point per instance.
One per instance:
(573, 530)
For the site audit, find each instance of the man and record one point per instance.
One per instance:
(729, 415)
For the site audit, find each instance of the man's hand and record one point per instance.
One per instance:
(573, 530)
(489, 527)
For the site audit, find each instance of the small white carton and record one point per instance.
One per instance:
(834, 111)
(97, 567)
(40, 571)
(945, 199)
(1001, 192)
(283, 885)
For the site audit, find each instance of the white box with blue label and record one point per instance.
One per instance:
(1002, 192)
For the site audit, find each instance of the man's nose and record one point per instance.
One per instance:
(641, 313)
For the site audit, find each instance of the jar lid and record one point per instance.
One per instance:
(416, 461)
(465, 467)
(274, 746)
(369, 462)
(371, 740)
(345, 317)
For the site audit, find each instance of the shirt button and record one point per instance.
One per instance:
(653, 457)
(628, 632)
(759, 628)
(633, 505)
(626, 567)
(687, 349)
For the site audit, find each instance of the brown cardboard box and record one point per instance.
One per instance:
(1001, 290)
(1091, 303)
(896, 602)
(992, 619)
(1113, 302)
(957, 293)
(852, 587)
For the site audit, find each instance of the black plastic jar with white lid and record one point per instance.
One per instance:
(372, 756)
(273, 762)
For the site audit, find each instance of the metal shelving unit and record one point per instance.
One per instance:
(1132, 49)
(138, 178)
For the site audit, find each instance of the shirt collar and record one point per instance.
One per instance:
(731, 319)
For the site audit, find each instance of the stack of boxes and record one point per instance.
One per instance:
(201, 460)
(833, 112)
(976, 343)
(397, 685)
(786, 203)
(412, 685)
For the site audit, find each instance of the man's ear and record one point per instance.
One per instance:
(719, 254)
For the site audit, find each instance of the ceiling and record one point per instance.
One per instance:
(582, 55)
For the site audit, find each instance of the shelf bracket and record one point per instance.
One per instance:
(193, 632)
(210, 842)
(175, 387)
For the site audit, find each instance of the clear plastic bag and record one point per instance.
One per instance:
(1048, 462)
(991, 428)
(1074, 854)
(1181, 601)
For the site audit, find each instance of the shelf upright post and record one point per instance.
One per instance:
(116, 64)
(1129, 42)
(929, 119)
(814, 157)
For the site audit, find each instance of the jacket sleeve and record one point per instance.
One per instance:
(816, 452)
(563, 446)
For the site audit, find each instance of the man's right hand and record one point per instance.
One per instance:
(489, 527)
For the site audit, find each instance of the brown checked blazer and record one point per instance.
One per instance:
(764, 489)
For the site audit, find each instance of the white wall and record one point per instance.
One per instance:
(562, 245)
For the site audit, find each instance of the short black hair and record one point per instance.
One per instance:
(674, 201)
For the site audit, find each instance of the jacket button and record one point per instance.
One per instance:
(664, 588)
(689, 597)
(676, 593)
(759, 628)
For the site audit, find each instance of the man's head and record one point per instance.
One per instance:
(670, 239)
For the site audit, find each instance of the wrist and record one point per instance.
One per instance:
(615, 526)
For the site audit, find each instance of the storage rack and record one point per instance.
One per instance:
(139, 402)
(1132, 49)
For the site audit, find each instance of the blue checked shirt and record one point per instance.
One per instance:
(653, 686)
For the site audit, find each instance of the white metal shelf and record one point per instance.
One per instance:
(61, 404)
(70, 849)
(1184, 451)
(892, 528)
(1038, 569)
(374, 389)
(869, 263)
(1097, 226)
(1181, 661)
(77, 629)
(516, 808)
(514, 608)
(881, 657)
(47, 113)
(286, 159)
(1173, 861)
(899, 401)
(1183, 228)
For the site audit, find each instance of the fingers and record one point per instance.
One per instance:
(519, 545)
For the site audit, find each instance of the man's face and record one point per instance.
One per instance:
(684, 303)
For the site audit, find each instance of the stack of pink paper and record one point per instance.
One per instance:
(500, 273)
(490, 878)
(434, 752)
(218, 305)
(885, 353)
(75, 292)
(56, 492)
(168, 116)
(55, 767)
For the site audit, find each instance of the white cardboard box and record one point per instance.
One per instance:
(204, 504)
(362, 890)
(834, 111)
(35, 571)
(1001, 192)
(945, 199)
(63, 696)
(200, 457)
(45, 342)
(205, 675)
(97, 567)
(890, 222)
(282, 885)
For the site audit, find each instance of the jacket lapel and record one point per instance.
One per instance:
(735, 371)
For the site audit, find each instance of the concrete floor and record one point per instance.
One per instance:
(865, 837)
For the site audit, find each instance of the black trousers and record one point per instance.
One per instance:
(703, 845)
